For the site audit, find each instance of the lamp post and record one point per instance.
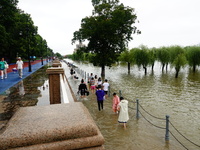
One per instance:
(28, 47)
(41, 52)
(29, 61)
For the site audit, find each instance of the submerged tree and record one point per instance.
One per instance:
(141, 57)
(193, 56)
(107, 31)
(127, 57)
(163, 55)
(178, 58)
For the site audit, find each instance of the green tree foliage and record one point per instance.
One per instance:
(18, 34)
(141, 57)
(127, 57)
(177, 58)
(108, 31)
(163, 55)
(193, 56)
(152, 57)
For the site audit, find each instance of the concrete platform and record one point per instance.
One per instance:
(56, 127)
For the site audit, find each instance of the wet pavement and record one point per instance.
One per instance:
(13, 77)
(139, 135)
(28, 91)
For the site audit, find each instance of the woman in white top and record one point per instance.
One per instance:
(106, 87)
(20, 66)
(123, 111)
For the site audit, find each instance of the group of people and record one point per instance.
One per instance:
(100, 89)
(4, 66)
(120, 105)
(73, 73)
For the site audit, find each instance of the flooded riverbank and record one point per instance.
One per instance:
(160, 94)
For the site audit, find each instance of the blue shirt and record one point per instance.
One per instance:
(100, 94)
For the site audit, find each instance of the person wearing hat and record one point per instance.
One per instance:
(19, 67)
(123, 111)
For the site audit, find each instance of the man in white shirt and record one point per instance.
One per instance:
(106, 87)
(20, 66)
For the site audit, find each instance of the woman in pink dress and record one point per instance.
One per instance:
(116, 101)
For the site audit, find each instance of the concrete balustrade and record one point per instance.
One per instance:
(56, 63)
(54, 84)
(53, 127)
(60, 127)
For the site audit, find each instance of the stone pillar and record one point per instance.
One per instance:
(56, 63)
(54, 84)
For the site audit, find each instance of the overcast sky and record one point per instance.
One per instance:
(162, 22)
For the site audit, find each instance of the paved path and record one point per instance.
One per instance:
(13, 78)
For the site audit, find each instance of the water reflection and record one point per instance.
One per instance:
(21, 88)
(25, 93)
(159, 93)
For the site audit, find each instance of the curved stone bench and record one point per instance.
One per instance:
(57, 127)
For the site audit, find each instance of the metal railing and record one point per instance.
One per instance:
(85, 75)
(168, 124)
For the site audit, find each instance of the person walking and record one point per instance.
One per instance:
(89, 79)
(99, 81)
(6, 67)
(116, 101)
(2, 67)
(20, 66)
(92, 85)
(82, 89)
(96, 80)
(106, 87)
(100, 97)
(123, 111)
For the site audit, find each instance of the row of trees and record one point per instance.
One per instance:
(176, 56)
(145, 57)
(108, 31)
(18, 34)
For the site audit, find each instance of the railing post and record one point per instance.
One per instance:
(120, 93)
(137, 109)
(108, 91)
(87, 76)
(167, 128)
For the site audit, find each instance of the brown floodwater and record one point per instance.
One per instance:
(159, 93)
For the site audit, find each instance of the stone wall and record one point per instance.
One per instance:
(58, 126)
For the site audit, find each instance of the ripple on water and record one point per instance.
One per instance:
(160, 94)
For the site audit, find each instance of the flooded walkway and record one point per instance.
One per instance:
(159, 94)
(139, 135)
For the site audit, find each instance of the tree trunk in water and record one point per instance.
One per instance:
(103, 72)
(152, 66)
(194, 67)
(145, 70)
(166, 67)
(163, 65)
(129, 67)
(177, 71)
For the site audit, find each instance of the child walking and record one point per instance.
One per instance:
(116, 101)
